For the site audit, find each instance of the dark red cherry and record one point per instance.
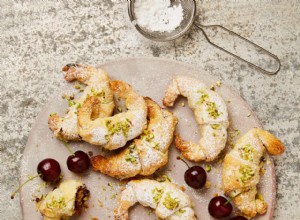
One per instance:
(78, 162)
(219, 207)
(195, 177)
(49, 170)
(238, 218)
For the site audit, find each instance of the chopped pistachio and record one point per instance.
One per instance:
(81, 90)
(147, 135)
(156, 146)
(215, 126)
(218, 83)
(57, 203)
(114, 196)
(180, 212)
(131, 146)
(157, 194)
(170, 203)
(52, 114)
(247, 152)
(207, 168)
(268, 162)
(212, 110)
(212, 88)
(260, 197)
(204, 98)
(163, 178)
(246, 172)
(71, 102)
(117, 127)
(119, 109)
(76, 86)
(130, 158)
(78, 105)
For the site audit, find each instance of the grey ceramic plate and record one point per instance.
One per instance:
(150, 77)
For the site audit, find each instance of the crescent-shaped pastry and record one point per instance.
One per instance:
(113, 132)
(241, 170)
(168, 200)
(65, 201)
(97, 81)
(147, 153)
(211, 114)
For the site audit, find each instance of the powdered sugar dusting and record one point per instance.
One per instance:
(158, 15)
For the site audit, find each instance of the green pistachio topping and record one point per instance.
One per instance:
(117, 127)
(246, 172)
(215, 126)
(147, 135)
(170, 203)
(247, 152)
(180, 212)
(212, 110)
(207, 168)
(157, 194)
(204, 97)
(60, 203)
(130, 158)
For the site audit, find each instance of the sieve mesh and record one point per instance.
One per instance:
(189, 11)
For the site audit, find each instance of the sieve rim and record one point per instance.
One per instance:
(159, 39)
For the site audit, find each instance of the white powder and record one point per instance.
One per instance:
(158, 15)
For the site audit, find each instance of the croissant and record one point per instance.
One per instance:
(211, 114)
(166, 198)
(65, 201)
(147, 153)
(113, 132)
(97, 81)
(241, 170)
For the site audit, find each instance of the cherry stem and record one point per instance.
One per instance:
(18, 189)
(69, 149)
(180, 158)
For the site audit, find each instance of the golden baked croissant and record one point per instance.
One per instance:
(97, 81)
(113, 132)
(241, 170)
(147, 153)
(65, 201)
(168, 200)
(211, 114)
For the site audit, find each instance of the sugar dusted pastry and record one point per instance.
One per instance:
(113, 132)
(97, 81)
(241, 170)
(65, 201)
(211, 114)
(168, 200)
(147, 153)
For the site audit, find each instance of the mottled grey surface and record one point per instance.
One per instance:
(38, 37)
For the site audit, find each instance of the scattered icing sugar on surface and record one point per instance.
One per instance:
(158, 15)
(98, 135)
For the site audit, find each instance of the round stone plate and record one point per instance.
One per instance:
(149, 77)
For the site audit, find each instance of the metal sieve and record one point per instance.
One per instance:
(189, 14)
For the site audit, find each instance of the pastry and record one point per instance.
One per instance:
(65, 201)
(168, 200)
(145, 154)
(211, 114)
(97, 81)
(241, 170)
(113, 132)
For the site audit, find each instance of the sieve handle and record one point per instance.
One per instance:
(202, 28)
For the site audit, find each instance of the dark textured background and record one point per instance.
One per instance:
(38, 37)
